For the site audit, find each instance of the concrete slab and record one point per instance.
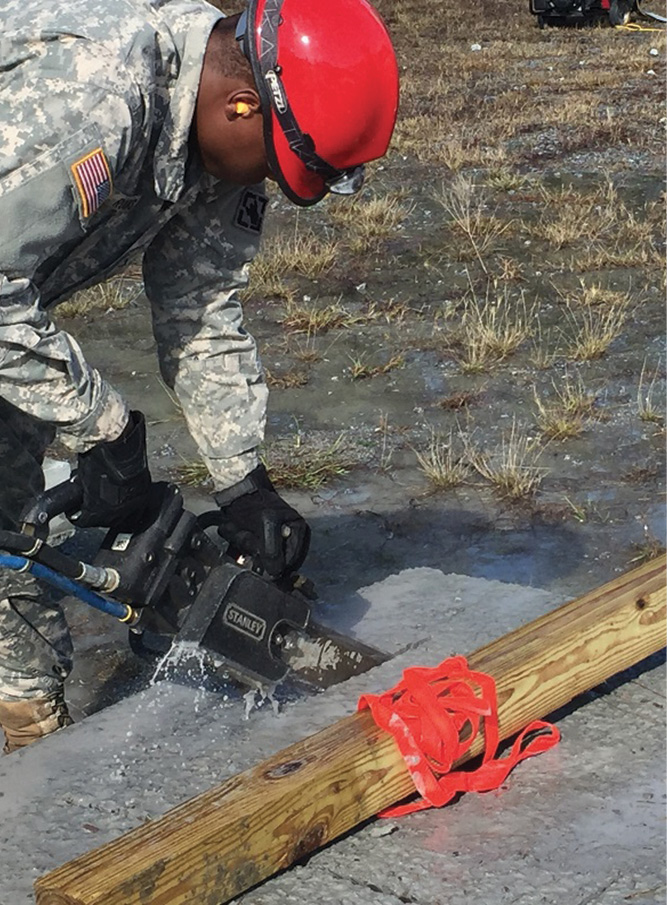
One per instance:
(581, 825)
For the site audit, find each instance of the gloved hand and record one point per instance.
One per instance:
(115, 480)
(259, 523)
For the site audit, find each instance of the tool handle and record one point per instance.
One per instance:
(63, 498)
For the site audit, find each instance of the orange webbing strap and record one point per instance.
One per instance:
(429, 712)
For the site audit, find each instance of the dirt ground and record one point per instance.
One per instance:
(466, 362)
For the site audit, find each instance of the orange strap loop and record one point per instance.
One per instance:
(434, 716)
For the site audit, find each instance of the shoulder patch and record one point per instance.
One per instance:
(92, 177)
(250, 211)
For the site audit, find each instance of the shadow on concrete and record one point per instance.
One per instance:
(351, 551)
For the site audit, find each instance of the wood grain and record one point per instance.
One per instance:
(222, 842)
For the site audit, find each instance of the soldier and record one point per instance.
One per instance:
(150, 125)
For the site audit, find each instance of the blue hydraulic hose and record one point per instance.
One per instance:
(21, 564)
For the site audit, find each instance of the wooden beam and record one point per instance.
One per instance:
(230, 838)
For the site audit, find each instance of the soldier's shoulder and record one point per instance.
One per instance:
(89, 44)
(84, 18)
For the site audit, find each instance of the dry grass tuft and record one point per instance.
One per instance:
(511, 469)
(429, 138)
(286, 380)
(306, 352)
(443, 467)
(563, 414)
(366, 222)
(360, 370)
(509, 270)
(454, 153)
(545, 347)
(311, 317)
(459, 400)
(492, 329)
(505, 180)
(615, 236)
(306, 254)
(468, 211)
(597, 295)
(646, 550)
(392, 311)
(570, 215)
(193, 474)
(299, 467)
(267, 283)
(386, 449)
(592, 331)
(542, 356)
(618, 256)
(113, 295)
(647, 407)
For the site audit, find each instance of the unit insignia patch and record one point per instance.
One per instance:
(250, 212)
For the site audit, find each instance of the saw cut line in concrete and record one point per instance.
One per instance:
(583, 818)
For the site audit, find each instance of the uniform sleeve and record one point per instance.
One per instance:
(193, 271)
(46, 208)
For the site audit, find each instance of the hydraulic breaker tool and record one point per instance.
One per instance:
(176, 581)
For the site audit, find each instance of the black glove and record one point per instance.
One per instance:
(259, 523)
(115, 480)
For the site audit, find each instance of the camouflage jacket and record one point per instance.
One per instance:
(96, 162)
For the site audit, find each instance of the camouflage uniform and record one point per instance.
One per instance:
(96, 162)
(35, 646)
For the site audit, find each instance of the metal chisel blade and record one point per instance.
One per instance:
(321, 657)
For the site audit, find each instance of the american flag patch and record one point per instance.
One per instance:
(92, 177)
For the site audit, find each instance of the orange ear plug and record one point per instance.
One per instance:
(242, 108)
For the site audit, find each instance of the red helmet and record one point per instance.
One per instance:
(327, 77)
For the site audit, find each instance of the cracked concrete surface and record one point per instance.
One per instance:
(580, 825)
